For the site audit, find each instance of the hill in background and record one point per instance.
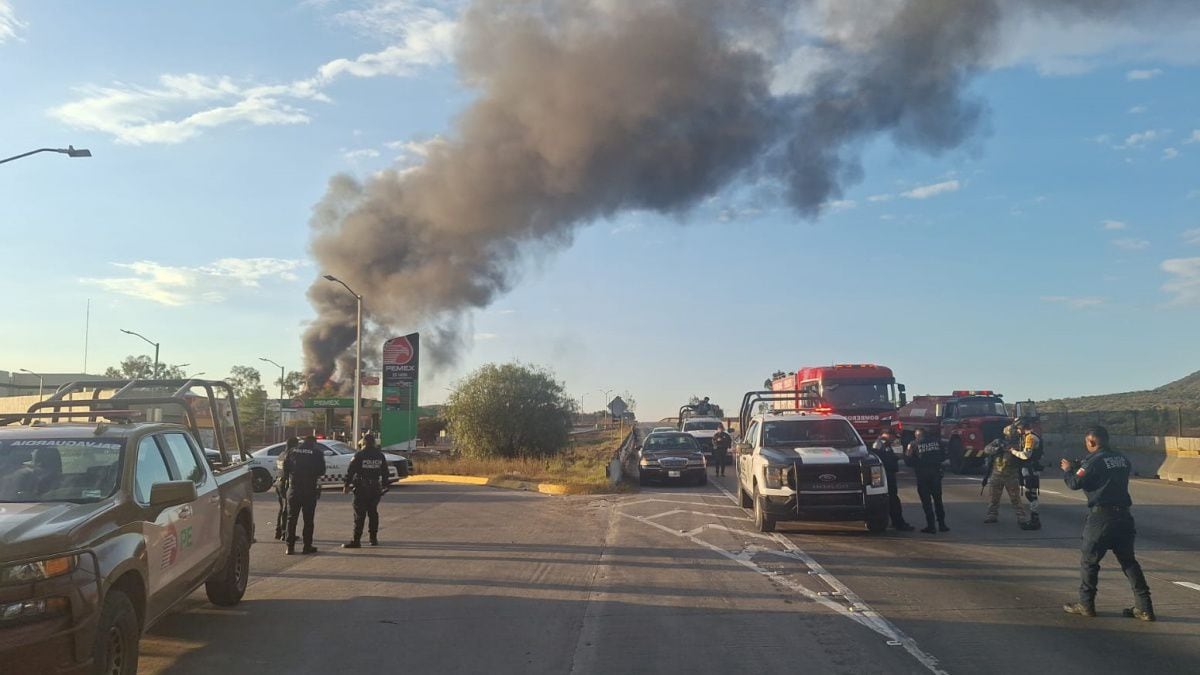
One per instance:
(1183, 392)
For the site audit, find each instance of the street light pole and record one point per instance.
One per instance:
(69, 151)
(41, 380)
(129, 332)
(357, 357)
(262, 358)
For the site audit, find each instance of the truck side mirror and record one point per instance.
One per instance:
(172, 493)
(903, 395)
(742, 448)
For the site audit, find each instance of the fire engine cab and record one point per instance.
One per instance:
(866, 394)
(965, 422)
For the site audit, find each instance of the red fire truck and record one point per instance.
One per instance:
(864, 393)
(965, 422)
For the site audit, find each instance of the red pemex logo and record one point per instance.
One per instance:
(397, 351)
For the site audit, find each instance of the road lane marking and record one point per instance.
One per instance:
(664, 514)
(678, 502)
(859, 611)
(1188, 584)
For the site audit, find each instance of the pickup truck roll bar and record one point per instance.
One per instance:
(753, 398)
(126, 395)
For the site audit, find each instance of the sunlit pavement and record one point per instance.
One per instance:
(473, 579)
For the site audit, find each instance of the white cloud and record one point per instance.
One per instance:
(1194, 138)
(927, 191)
(178, 285)
(364, 153)
(1137, 140)
(1138, 110)
(1170, 153)
(1185, 284)
(1131, 244)
(181, 106)
(1192, 236)
(881, 198)
(1073, 302)
(626, 227)
(1143, 74)
(841, 204)
(10, 25)
(1114, 225)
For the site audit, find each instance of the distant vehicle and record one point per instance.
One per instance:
(107, 520)
(671, 455)
(806, 465)
(864, 393)
(698, 420)
(337, 460)
(661, 430)
(965, 422)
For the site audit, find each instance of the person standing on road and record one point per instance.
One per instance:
(721, 442)
(927, 457)
(281, 489)
(368, 478)
(883, 449)
(1003, 474)
(302, 469)
(1029, 452)
(1104, 476)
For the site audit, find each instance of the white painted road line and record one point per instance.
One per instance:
(1188, 584)
(858, 611)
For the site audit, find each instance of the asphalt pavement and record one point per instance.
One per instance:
(672, 579)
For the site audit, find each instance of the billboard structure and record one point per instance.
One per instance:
(398, 420)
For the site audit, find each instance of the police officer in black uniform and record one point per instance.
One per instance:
(1104, 476)
(302, 470)
(926, 457)
(281, 489)
(883, 449)
(368, 477)
(721, 442)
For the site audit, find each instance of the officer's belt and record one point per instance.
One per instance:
(1102, 508)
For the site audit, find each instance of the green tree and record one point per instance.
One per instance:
(246, 382)
(510, 410)
(141, 367)
(293, 384)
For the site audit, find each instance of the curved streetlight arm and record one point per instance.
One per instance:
(148, 341)
(69, 151)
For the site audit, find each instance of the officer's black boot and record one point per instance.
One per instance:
(929, 528)
(291, 548)
(1035, 523)
(374, 539)
(942, 526)
(353, 543)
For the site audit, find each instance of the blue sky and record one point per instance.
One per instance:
(1055, 253)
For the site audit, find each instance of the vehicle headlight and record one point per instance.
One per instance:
(648, 461)
(25, 610)
(776, 476)
(877, 476)
(970, 437)
(38, 570)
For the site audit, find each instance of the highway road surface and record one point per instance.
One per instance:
(672, 579)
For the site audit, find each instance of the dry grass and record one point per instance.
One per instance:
(582, 467)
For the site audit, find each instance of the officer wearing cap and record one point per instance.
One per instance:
(926, 457)
(1104, 476)
(368, 478)
(884, 450)
(302, 470)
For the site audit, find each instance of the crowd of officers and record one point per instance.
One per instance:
(1014, 465)
(301, 466)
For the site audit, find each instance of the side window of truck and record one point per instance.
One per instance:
(752, 435)
(184, 456)
(151, 469)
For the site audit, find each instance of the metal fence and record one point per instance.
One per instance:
(1173, 421)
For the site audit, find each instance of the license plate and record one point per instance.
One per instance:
(673, 474)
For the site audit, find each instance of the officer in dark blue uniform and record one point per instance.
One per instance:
(926, 457)
(883, 449)
(302, 471)
(1104, 476)
(368, 478)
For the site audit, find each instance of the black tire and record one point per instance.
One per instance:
(877, 522)
(228, 585)
(703, 479)
(115, 651)
(642, 479)
(261, 480)
(763, 522)
(743, 498)
(958, 462)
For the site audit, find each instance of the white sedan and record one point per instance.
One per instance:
(263, 468)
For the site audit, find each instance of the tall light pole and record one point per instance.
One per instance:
(129, 332)
(69, 151)
(263, 358)
(41, 380)
(605, 401)
(357, 357)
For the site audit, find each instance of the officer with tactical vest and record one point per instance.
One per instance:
(368, 477)
(1003, 475)
(926, 458)
(1104, 476)
(281, 489)
(302, 471)
(1029, 452)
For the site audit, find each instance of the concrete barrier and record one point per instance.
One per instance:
(1166, 457)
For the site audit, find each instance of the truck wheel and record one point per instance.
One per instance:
(763, 522)
(958, 463)
(703, 479)
(117, 635)
(642, 479)
(260, 480)
(877, 522)
(228, 585)
(743, 498)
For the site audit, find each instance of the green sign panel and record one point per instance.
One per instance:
(325, 403)
(398, 421)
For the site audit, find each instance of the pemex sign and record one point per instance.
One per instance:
(398, 421)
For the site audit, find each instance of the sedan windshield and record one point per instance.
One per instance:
(59, 470)
(664, 442)
(809, 433)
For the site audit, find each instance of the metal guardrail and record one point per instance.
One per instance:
(623, 463)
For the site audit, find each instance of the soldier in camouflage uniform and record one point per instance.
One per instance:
(1004, 474)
